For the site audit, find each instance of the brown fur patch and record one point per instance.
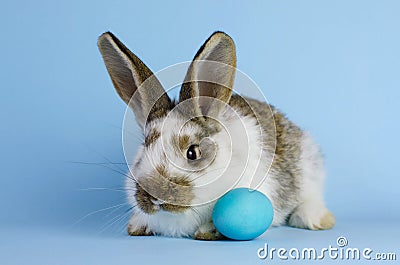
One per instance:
(151, 137)
(180, 143)
(183, 142)
(184, 183)
(161, 171)
(144, 200)
(173, 208)
(282, 137)
(176, 191)
(160, 109)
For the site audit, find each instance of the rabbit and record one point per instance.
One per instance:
(194, 148)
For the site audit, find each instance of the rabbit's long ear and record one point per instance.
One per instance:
(130, 75)
(209, 81)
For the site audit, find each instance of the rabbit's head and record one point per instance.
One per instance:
(185, 146)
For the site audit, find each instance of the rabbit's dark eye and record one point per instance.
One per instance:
(193, 152)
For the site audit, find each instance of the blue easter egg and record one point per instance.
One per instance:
(243, 214)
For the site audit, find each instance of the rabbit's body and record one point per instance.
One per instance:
(244, 139)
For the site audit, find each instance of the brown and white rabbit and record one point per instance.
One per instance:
(209, 141)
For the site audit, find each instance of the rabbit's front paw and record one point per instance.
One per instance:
(208, 232)
(137, 228)
(141, 231)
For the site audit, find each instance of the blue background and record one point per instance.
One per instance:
(333, 67)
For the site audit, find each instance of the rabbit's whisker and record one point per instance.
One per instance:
(97, 211)
(114, 220)
(121, 189)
